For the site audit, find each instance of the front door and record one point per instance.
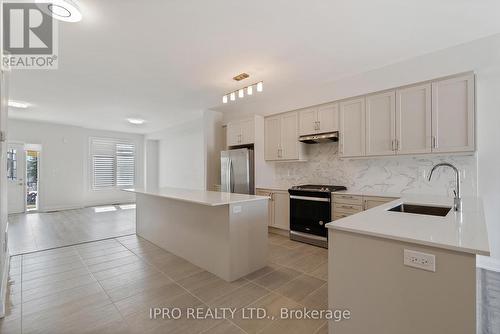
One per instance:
(16, 175)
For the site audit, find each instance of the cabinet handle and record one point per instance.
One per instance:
(392, 145)
(319, 125)
(434, 142)
(397, 144)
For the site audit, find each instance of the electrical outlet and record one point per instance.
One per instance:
(420, 260)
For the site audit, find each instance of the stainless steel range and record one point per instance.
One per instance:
(310, 210)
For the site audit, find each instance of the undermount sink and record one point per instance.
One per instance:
(440, 211)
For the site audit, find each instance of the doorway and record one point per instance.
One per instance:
(32, 177)
(23, 171)
(16, 173)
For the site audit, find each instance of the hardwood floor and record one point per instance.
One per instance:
(40, 231)
(109, 286)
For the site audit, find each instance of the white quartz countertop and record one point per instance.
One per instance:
(459, 231)
(203, 197)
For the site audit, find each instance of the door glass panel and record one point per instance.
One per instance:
(31, 179)
(12, 164)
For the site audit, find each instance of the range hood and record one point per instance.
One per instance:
(320, 138)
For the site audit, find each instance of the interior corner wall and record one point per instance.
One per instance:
(65, 166)
(215, 143)
(152, 163)
(182, 155)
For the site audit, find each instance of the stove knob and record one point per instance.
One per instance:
(321, 223)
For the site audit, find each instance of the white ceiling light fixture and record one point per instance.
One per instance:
(136, 121)
(259, 87)
(63, 10)
(18, 104)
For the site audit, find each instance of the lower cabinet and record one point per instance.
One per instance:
(279, 208)
(345, 205)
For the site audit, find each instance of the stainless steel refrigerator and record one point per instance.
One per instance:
(237, 171)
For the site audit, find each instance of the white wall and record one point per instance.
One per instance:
(214, 144)
(480, 56)
(152, 162)
(3, 193)
(182, 155)
(189, 152)
(64, 164)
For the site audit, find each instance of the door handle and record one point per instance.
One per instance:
(231, 181)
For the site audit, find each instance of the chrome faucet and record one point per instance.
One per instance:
(457, 201)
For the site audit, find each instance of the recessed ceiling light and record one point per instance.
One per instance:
(136, 121)
(18, 104)
(64, 10)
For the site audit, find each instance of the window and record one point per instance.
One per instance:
(12, 164)
(113, 163)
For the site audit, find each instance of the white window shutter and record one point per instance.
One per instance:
(113, 163)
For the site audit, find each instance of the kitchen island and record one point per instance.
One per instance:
(374, 272)
(223, 233)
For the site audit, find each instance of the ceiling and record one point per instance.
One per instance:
(164, 61)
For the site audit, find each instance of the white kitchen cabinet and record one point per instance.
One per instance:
(453, 114)
(352, 128)
(281, 203)
(328, 118)
(413, 119)
(381, 124)
(308, 121)
(272, 140)
(241, 132)
(289, 136)
(279, 208)
(374, 201)
(282, 137)
(345, 205)
(320, 119)
(270, 206)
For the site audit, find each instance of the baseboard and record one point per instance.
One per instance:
(488, 263)
(3, 286)
(85, 205)
(60, 208)
(279, 231)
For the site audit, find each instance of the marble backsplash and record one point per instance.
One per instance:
(398, 174)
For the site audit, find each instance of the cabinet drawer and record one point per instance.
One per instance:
(346, 208)
(348, 199)
(337, 215)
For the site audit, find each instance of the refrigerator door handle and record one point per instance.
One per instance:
(231, 176)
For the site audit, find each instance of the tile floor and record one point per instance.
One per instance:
(108, 286)
(39, 231)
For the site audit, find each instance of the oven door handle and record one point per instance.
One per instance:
(306, 198)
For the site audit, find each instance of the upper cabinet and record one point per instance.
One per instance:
(281, 134)
(320, 119)
(241, 132)
(413, 119)
(352, 128)
(453, 114)
(433, 117)
(380, 124)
